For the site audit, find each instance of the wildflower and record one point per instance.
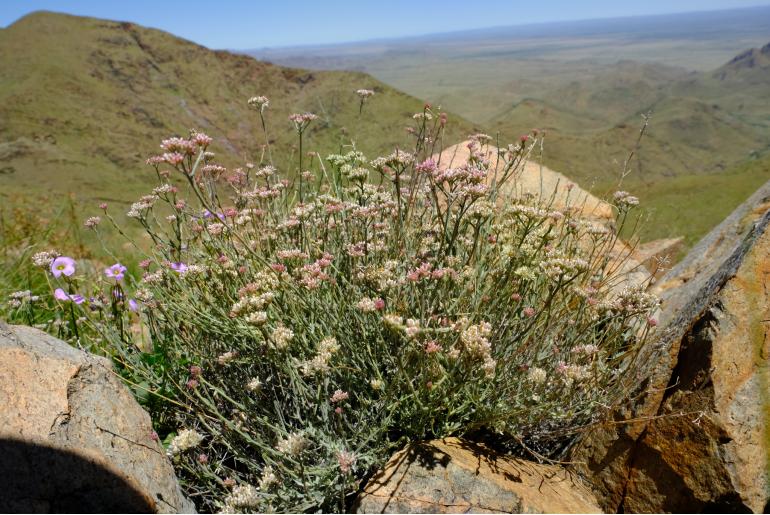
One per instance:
(62, 295)
(346, 460)
(186, 439)
(227, 357)
(432, 346)
(63, 265)
(281, 336)
(257, 318)
(259, 103)
(339, 396)
(366, 305)
(45, 258)
(625, 199)
(292, 445)
(652, 322)
(364, 93)
(203, 458)
(376, 384)
(254, 385)
(192, 384)
(195, 370)
(200, 139)
(268, 479)
(243, 497)
(301, 120)
(92, 222)
(116, 271)
(528, 312)
(179, 268)
(537, 375)
(19, 298)
(320, 362)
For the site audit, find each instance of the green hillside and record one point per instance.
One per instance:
(84, 101)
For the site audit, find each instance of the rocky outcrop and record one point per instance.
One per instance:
(456, 476)
(77, 439)
(536, 179)
(699, 440)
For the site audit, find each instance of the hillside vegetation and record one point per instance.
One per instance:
(84, 101)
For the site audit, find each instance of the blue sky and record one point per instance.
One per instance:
(241, 24)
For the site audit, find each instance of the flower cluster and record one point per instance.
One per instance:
(351, 304)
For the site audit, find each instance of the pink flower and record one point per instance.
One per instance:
(346, 459)
(62, 295)
(116, 271)
(652, 322)
(203, 459)
(528, 312)
(192, 384)
(338, 410)
(379, 304)
(195, 370)
(339, 396)
(432, 346)
(63, 265)
(133, 305)
(202, 140)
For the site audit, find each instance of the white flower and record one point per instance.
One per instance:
(254, 385)
(282, 335)
(186, 439)
(292, 445)
(537, 375)
(243, 497)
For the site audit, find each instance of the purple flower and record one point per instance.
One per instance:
(179, 268)
(116, 271)
(63, 265)
(62, 295)
(133, 305)
(209, 214)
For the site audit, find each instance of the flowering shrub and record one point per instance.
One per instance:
(288, 335)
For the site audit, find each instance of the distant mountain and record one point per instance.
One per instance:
(755, 61)
(84, 101)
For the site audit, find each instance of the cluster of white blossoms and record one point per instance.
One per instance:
(364, 93)
(19, 298)
(625, 199)
(557, 267)
(254, 298)
(144, 203)
(259, 103)
(281, 336)
(186, 439)
(476, 340)
(320, 362)
(292, 445)
(242, 497)
(45, 258)
(268, 478)
(537, 375)
(254, 385)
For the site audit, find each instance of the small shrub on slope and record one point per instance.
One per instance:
(288, 335)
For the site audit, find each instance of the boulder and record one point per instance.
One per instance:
(536, 179)
(76, 438)
(699, 436)
(457, 476)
